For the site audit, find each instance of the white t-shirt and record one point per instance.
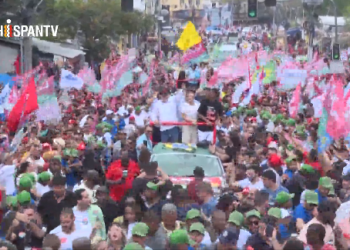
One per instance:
(40, 189)
(40, 162)
(189, 110)
(140, 118)
(7, 178)
(67, 239)
(243, 237)
(247, 183)
(82, 219)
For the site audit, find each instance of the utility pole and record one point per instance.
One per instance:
(335, 20)
(27, 13)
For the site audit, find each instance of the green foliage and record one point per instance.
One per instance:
(342, 6)
(99, 21)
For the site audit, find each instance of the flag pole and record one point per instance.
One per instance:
(14, 142)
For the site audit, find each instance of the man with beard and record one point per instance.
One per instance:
(110, 208)
(326, 215)
(253, 180)
(303, 213)
(68, 231)
(247, 201)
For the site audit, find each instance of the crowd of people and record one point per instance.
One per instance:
(88, 182)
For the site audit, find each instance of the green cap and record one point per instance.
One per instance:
(58, 157)
(300, 130)
(197, 227)
(311, 197)
(25, 182)
(74, 152)
(140, 229)
(44, 176)
(283, 197)
(179, 236)
(265, 116)
(252, 213)
(279, 117)
(290, 147)
(152, 186)
(66, 152)
(30, 176)
(275, 212)
(325, 182)
(137, 108)
(290, 159)
(99, 126)
(12, 201)
(100, 144)
(193, 213)
(307, 169)
(236, 218)
(133, 246)
(251, 112)
(23, 197)
(290, 122)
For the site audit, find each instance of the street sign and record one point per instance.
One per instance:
(337, 67)
(313, 2)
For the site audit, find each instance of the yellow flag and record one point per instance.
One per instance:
(189, 37)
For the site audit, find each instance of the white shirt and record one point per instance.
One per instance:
(40, 189)
(123, 110)
(247, 183)
(82, 219)
(165, 111)
(140, 118)
(40, 162)
(67, 239)
(243, 237)
(191, 111)
(7, 178)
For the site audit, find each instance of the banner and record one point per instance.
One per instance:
(69, 80)
(290, 78)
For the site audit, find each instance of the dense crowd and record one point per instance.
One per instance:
(89, 181)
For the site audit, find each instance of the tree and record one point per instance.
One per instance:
(98, 21)
(342, 7)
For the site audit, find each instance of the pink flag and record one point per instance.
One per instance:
(336, 126)
(150, 77)
(190, 54)
(295, 101)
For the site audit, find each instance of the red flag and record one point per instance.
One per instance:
(26, 104)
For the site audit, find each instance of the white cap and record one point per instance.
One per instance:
(109, 112)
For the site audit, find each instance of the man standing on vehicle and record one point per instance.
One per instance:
(209, 112)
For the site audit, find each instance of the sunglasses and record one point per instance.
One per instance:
(254, 222)
(149, 131)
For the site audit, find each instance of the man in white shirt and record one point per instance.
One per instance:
(140, 117)
(253, 180)
(7, 175)
(89, 217)
(166, 111)
(68, 231)
(42, 186)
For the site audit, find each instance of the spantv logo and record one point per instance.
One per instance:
(28, 30)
